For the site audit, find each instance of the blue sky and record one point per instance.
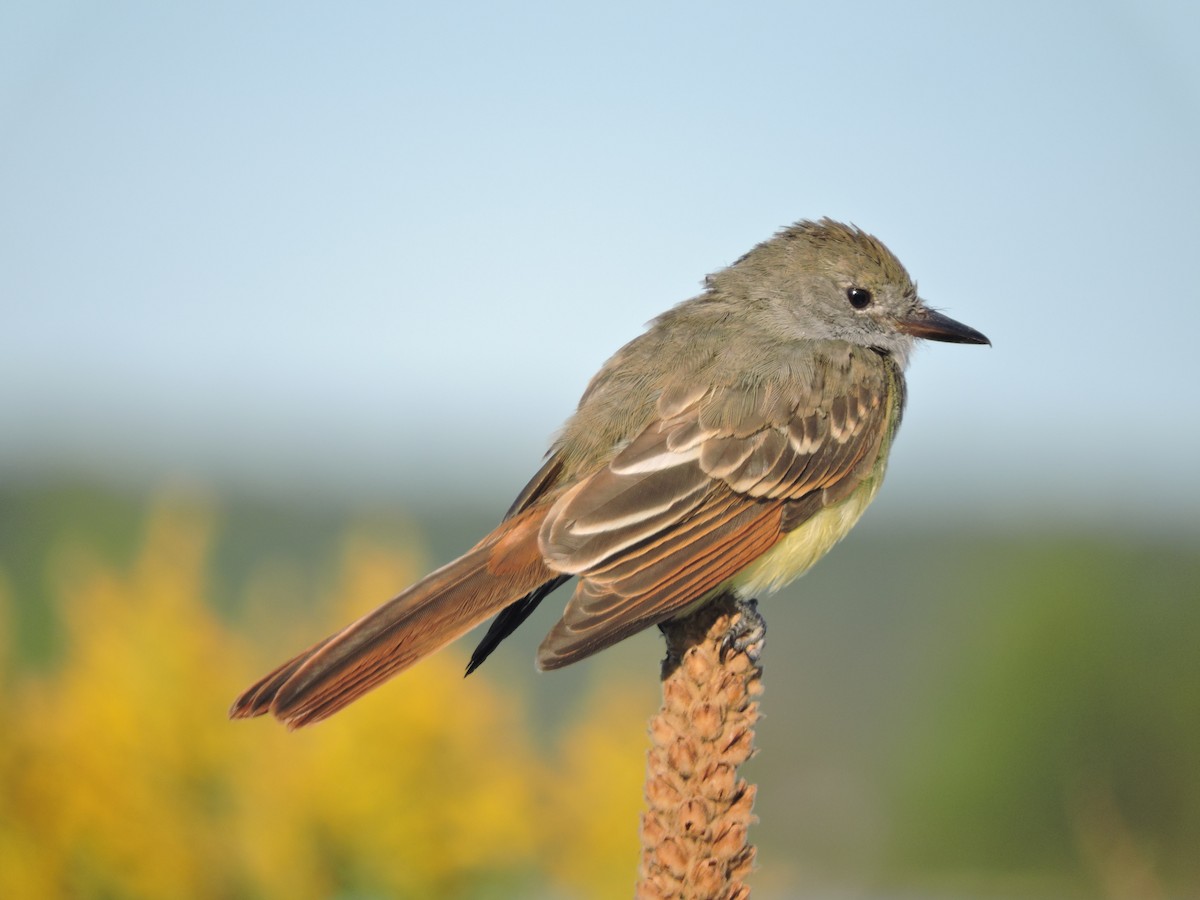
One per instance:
(381, 247)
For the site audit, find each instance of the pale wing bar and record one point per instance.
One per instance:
(697, 497)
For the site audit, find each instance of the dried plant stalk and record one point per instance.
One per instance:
(699, 811)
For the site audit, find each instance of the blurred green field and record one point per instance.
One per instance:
(949, 713)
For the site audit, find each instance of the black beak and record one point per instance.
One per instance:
(925, 323)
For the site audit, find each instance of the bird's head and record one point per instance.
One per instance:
(828, 281)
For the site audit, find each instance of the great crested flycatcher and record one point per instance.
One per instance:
(727, 448)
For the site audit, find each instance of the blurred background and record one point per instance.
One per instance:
(295, 296)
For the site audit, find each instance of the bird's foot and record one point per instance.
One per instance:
(747, 633)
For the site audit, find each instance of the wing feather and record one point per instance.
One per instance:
(653, 567)
(597, 618)
(705, 490)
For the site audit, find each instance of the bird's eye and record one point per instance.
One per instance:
(860, 298)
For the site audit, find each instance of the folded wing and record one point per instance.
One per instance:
(706, 489)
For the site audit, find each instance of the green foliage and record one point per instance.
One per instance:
(1066, 735)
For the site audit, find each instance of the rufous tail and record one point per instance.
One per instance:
(500, 570)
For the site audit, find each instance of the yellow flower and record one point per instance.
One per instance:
(120, 775)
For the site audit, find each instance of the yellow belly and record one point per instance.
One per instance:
(799, 551)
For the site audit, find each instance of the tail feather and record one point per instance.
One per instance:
(502, 568)
(256, 699)
(509, 620)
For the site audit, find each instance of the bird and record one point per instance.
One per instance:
(724, 450)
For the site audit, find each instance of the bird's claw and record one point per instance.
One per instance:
(747, 632)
